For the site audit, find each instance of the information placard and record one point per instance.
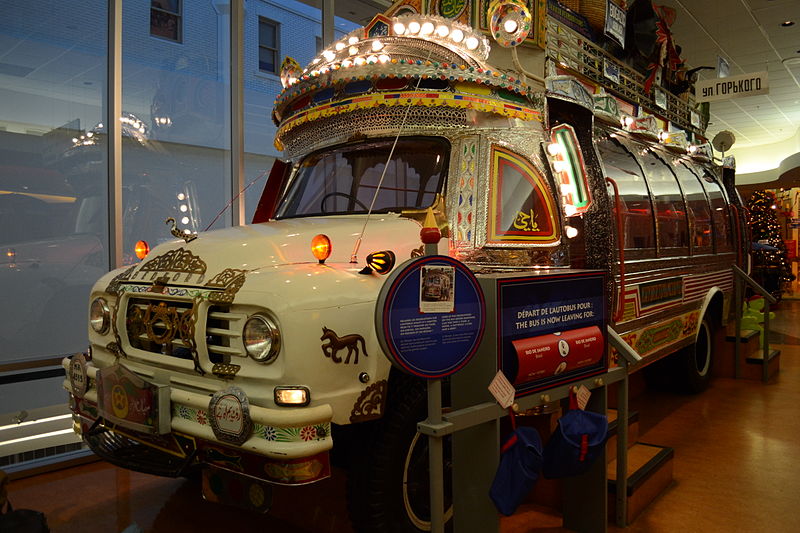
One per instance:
(551, 329)
(430, 316)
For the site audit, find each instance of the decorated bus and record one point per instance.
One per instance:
(251, 352)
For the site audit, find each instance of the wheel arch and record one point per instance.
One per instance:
(713, 303)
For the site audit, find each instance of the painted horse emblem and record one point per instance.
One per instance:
(336, 343)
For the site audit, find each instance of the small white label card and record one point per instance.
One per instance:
(502, 390)
(583, 394)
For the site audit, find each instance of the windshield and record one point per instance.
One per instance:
(344, 180)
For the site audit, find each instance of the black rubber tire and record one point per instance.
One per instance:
(697, 359)
(377, 495)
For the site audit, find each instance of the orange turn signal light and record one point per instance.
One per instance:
(381, 262)
(141, 249)
(321, 247)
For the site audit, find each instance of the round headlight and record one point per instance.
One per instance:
(262, 341)
(99, 315)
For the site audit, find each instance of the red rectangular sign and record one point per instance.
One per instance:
(555, 353)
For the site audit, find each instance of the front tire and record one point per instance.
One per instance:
(388, 480)
(697, 359)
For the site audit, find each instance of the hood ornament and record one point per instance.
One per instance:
(186, 235)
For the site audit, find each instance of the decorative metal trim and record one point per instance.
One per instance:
(113, 285)
(78, 378)
(230, 280)
(370, 405)
(336, 343)
(188, 237)
(180, 261)
(229, 415)
(176, 323)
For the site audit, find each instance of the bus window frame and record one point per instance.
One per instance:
(689, 165)
(663, 252)
(631, 254)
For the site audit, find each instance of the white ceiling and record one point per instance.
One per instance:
(749, 35)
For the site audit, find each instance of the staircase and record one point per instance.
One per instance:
(649, 472)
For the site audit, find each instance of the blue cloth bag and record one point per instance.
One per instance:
(577, 442)
(520, 462)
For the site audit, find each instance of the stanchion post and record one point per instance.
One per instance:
(435, 457)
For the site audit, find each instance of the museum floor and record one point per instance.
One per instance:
(736, 469)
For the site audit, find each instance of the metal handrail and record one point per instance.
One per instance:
(740, 276)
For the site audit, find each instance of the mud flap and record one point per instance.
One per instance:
(221, 486)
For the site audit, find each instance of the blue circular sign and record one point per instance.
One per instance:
(430, 316)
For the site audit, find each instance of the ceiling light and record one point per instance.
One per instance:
(787, 23)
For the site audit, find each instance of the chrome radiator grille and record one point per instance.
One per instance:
(170, 328)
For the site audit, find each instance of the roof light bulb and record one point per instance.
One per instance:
(383, 58)
(185, 220)
(347, 63)
(329, 55)
(399, 28)
(571, 232)
(339, 46)
(457, 35)
(510, 26)
(413, 27)
(442, 31)
(352, 40)
(472, 43)
(426, 28)
(359, 61)
(315, 61)
(371, 60)
(181, 196)
(559, 166)
(353, 50)
(376, 46)
(570, 210)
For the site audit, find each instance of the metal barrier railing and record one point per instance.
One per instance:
(739, 277)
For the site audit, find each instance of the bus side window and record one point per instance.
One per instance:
(671, 223)
(637, 212)
(698, 210)
(719, 212)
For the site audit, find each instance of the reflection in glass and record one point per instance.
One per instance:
(53, 201)
(345, 180)
(719, 212)
(697, 208)
(637, 214)
(671, 224)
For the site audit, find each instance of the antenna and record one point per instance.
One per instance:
(354, 255)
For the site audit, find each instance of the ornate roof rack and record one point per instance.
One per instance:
(575, 53)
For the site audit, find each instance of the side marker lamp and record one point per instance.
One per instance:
(321, 247)
(141, 249)
(381, 262)
(292, 396)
